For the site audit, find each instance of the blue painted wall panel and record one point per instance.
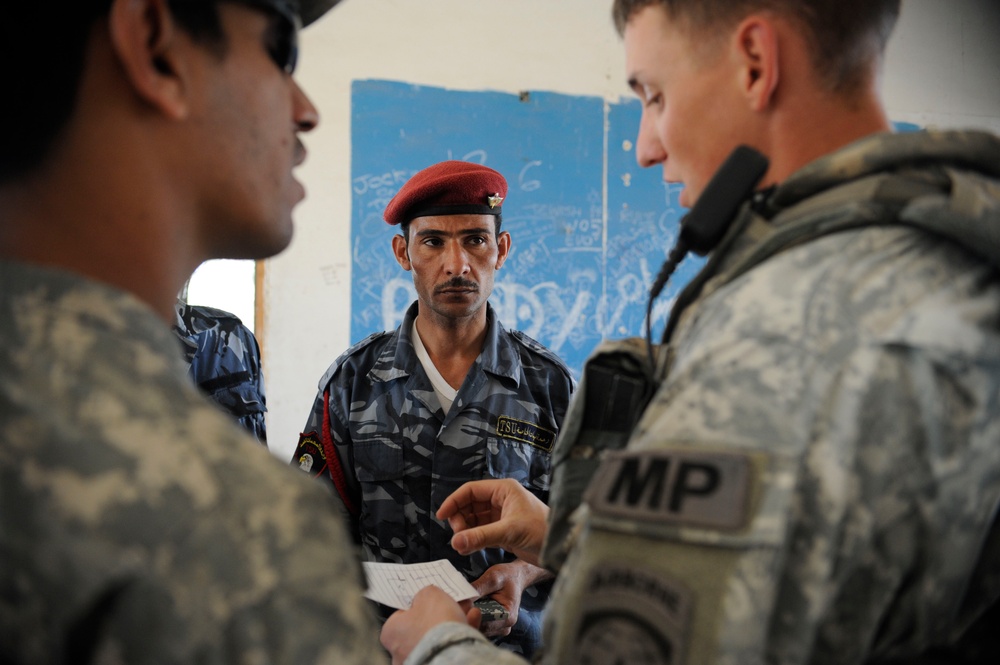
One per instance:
(570, 281)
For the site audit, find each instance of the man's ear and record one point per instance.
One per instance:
(399, 249)
(757, 47)
(503, 247)
(147, 42)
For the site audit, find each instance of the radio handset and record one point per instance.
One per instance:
(706, 223)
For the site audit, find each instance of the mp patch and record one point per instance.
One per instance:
(632, 615)
(686, 488)
(525, 432)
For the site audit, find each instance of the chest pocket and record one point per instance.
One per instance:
(380, 468)
(377, 460)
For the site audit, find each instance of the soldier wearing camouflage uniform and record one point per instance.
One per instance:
(384, 430)
(817, 478)
(130, 532)
(224, 362)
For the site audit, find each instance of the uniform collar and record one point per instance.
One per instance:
(500, 356)
(184, 333)
(890, 151)
(399, 358)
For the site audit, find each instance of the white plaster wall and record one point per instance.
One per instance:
(942, 69)
(943, 64)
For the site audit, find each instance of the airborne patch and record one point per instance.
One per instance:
(686, 488)
(632, 615)
(531, 433)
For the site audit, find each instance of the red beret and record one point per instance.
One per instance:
(448, 188)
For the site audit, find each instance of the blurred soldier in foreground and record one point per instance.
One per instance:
(140, 138)
(816, 478)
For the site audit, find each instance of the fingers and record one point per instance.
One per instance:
(433, 596)
(495, 629)
(405, 628)
(491, 581)
(498, 627)
(474, 617)
(485, 586)
(503, 583)
(496, 513)
(479, 498)
(479, 538)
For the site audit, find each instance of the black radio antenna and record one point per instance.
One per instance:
(708, 220)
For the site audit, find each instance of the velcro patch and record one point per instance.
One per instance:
(531, 433)
(681, 487)
(632, 615)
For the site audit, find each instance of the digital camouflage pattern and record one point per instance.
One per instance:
(138, 524)
(224, 361)
(402, 457)
(841, 388)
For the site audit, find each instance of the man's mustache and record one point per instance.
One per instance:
(456, 283)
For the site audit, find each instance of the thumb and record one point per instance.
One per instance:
(474, 617)
(478, 538)
(489, 582)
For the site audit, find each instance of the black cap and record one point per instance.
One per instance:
(307, 10)
(310, 10)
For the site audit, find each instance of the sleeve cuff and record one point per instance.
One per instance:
(442, 639)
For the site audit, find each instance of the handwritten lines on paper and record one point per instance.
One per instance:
(395, 584)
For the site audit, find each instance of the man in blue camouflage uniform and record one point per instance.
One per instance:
(224, 362)
(130, 532)
(816, 478)
(403, 418)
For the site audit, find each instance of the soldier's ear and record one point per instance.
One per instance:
(400, 249)
(503, 248)
(757, 50)
(147, 42)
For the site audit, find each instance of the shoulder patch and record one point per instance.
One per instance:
(686, 488)
(309, 454)
(342, 358)
(632, 615)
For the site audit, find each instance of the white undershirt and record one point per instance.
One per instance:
(445, 393)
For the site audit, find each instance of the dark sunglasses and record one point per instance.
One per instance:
(282, 39)
(283, 34)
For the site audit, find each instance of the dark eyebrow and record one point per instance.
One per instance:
(464, 232)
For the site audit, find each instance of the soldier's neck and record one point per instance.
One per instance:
(452, 348)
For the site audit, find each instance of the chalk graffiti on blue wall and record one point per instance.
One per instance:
(590, 228)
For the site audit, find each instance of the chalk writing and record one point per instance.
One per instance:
(589, 228)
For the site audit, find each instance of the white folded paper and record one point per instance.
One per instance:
(395, 584)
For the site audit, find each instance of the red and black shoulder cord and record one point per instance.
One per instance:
(333, 460)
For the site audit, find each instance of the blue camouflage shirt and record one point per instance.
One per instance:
(224, 361)
(401, 456)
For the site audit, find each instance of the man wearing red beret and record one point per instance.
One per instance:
(404, 418)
